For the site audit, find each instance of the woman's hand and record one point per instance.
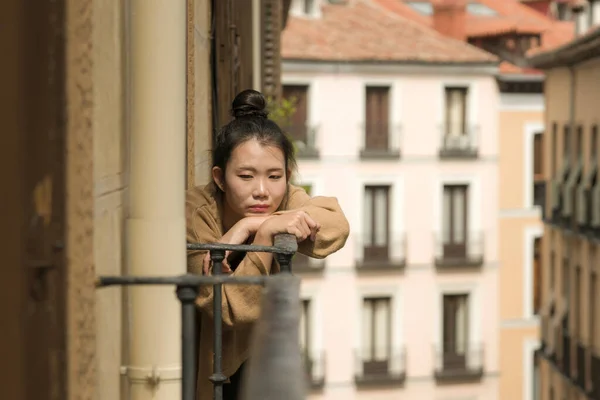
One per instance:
(238, 234)
(297, 223)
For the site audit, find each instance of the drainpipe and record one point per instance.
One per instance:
(156, 221)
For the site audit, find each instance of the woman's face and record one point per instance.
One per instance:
(255, 181)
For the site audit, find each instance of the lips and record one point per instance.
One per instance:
(259, 208)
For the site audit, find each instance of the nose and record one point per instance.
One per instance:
(260, 190)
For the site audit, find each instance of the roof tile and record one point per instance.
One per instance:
(364, 31)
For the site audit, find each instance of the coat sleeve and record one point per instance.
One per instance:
(241, 303)
(326, 211)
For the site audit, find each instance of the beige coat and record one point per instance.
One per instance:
(241, 303)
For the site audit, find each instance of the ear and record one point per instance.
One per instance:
(218, 178)
(289, 174)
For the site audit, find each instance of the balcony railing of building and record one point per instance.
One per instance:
(566, 354)
(459, 142)
(271, 372)
(539, 196)
(465, 250)
(574, 207)
(595, 373)
(381, 140)
(314, 364)
(304, 137)
(457, 362)
(380, 254)
(380, 367)
(580, 364)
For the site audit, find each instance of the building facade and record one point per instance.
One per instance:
(569, 355)
(400, 123)
(511, 31)
(110, 109)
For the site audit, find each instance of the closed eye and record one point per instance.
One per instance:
(245, 176)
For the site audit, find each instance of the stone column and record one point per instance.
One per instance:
(156, 222)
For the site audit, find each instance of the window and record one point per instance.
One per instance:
(480, 9)
(454, 223)
(298, 128)
(579, 144)
(309, 6)
(376, 337)
(538, 152)
(594, 140)
(594, 12)
(537, 276)
(422, 7)
(566, 142)
(377, 117)
(552, 270)
(376, 222)
(456, 111)
(565, 281)
(577, 305)
(455, 330)
(554, 148)
(593, 311)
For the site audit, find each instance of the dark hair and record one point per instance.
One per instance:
(251, 121)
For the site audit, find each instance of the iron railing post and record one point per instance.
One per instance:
(217, 378)
(187, 295)
(288, 245)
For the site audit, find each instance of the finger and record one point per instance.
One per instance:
(310, 222)
(296, 231)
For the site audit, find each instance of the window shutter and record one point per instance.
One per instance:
(271, 47)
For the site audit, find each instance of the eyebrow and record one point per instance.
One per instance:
(249, 168)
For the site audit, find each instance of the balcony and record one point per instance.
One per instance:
(314, 367)
(304, 264)
(539, 196)
(382, 369)
(466, 253)
(304, 138)
(554, 188)
(381, 141)
(595, 374)
(455, 365)
(459, 146)
(580, 364)
(387, 255)
(566, 355)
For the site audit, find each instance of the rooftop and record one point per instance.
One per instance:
(487, 18)
(363, 30)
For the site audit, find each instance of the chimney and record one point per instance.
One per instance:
(449, 18)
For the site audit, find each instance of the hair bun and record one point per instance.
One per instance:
(249, 103)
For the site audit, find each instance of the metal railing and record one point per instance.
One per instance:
(467, 250)
(377, 365)
(187, 288)
(458, 361)
(459, 145)
(391, 253)
(304, 137)
(380, 139)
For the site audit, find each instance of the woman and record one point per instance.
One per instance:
(249, 201)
